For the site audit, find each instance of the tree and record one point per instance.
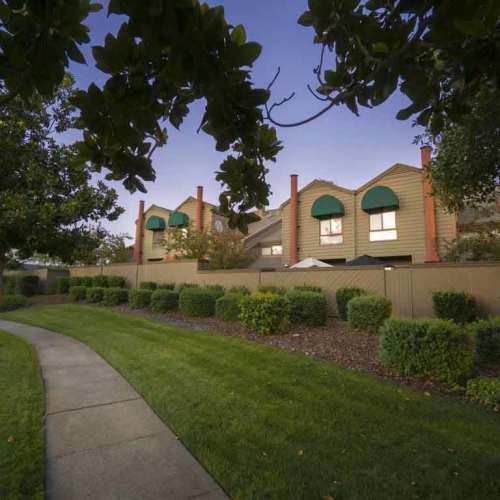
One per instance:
(187, 243)
(47, 201)
(227, 250)
(111, 249)
(484, 246)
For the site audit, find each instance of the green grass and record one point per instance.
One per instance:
(21, 421)
(271, 424)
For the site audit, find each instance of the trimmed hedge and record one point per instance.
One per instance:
(279, 290)
(116, 281)
(217, 290)
(308, 307)
(11, 302)
(265, 313)
(343, 296)
(23, 284)
(166, 286)
(457, 306)
(75, 281)
(77, 293)
(431, 348)
(196, 301)
(182, 286)
(9, 285)
(148, 285)
(308, 288)
(368, 312)
(89, 282)
(484, 390)
(487, 335)
(139, 298)
(243, 290)
(164, 300)
(115, 296)
(228, 307)
(95, 294)
(62, 285)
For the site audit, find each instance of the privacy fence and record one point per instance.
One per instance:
(408, 287)
(48, 277)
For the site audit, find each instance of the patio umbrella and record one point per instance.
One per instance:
(310, 262)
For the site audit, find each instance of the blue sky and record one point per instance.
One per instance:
(339, 146)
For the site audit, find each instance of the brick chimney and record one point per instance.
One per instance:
(139, 230)
(431, 252)
(199, 209)
(294, 209)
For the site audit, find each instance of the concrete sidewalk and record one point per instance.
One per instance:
(102, 440)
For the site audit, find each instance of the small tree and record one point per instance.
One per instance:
(187, 243)
(476, 247)
(112, 249)
(227, 250)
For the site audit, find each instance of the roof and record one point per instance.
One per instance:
(270, 218)
(192, 198)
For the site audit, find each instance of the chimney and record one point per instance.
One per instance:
(431, 252)
(294, 203)
(199, 209)
(139, 229)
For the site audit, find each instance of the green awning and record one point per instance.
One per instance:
(155, 223)
(327, 206)
(378, 198)
(178, 219)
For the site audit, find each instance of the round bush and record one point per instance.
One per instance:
(77, 293)
(148, 285)
(182, 286)
(430, 348)
(166, 286)
(100, 281)
(139, 299)
(9, 285)
(195, 301)
(11, 302)
(228, 306)
(279, 290)
(487, 335)
(87, 281)
(265, 313)
(95, 294)
(484, 390)
(217, 290)
(343, 296)
(457, 306)
(243, 290)
(368, 312)
(308, 308)
(75, 281)
(164, 300)
(62, 285)
(115, 296)
(27, 285)
(308, 288)
(116, 282)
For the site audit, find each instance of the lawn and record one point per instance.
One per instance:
(272, 424)
(21, 421)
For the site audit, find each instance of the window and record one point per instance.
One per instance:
(383, 226)
(218, 226)
(272, 250)
(158, 237)
(330, 231)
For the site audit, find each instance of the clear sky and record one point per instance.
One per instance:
(339, 146)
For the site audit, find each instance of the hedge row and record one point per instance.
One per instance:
(11, 302)
(24, 284)
(64, 284)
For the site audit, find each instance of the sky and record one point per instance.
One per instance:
(340, 147)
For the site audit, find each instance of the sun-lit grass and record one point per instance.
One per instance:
(272, 424)
(21, 421)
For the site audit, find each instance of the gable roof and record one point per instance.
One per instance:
(393, 169)
(320, 183)
(156, 206)
(192, 198)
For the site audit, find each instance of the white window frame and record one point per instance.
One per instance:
(386, 226)
(158, 238)
(271, 251)
(331, 237)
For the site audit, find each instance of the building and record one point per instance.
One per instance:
(392, 217)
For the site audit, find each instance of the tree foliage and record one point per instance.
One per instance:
(47, 202)
(111, 249)
(484, 246)
(187, 243)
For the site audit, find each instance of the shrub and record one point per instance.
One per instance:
(307, 307)
(228, 307)
(148, 285)
(182, 286)
(115, 296)
(265, 312)
(9, 285)
(11, 302)
(62, 285)
(195, 301)
(217, 290)
(164, 300)
(279, 290)
(166, 286)
(487, 335)
(95, 294)
(308, 288)
(457, 306)
(116, 282)
(75, 281)
(343, 296)
(242, 290)
(484, 390)
(368, 312)
(139, 298)
(88, 281)
(27, 285)
(100, 281)
(77, 293)
(431, 348)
